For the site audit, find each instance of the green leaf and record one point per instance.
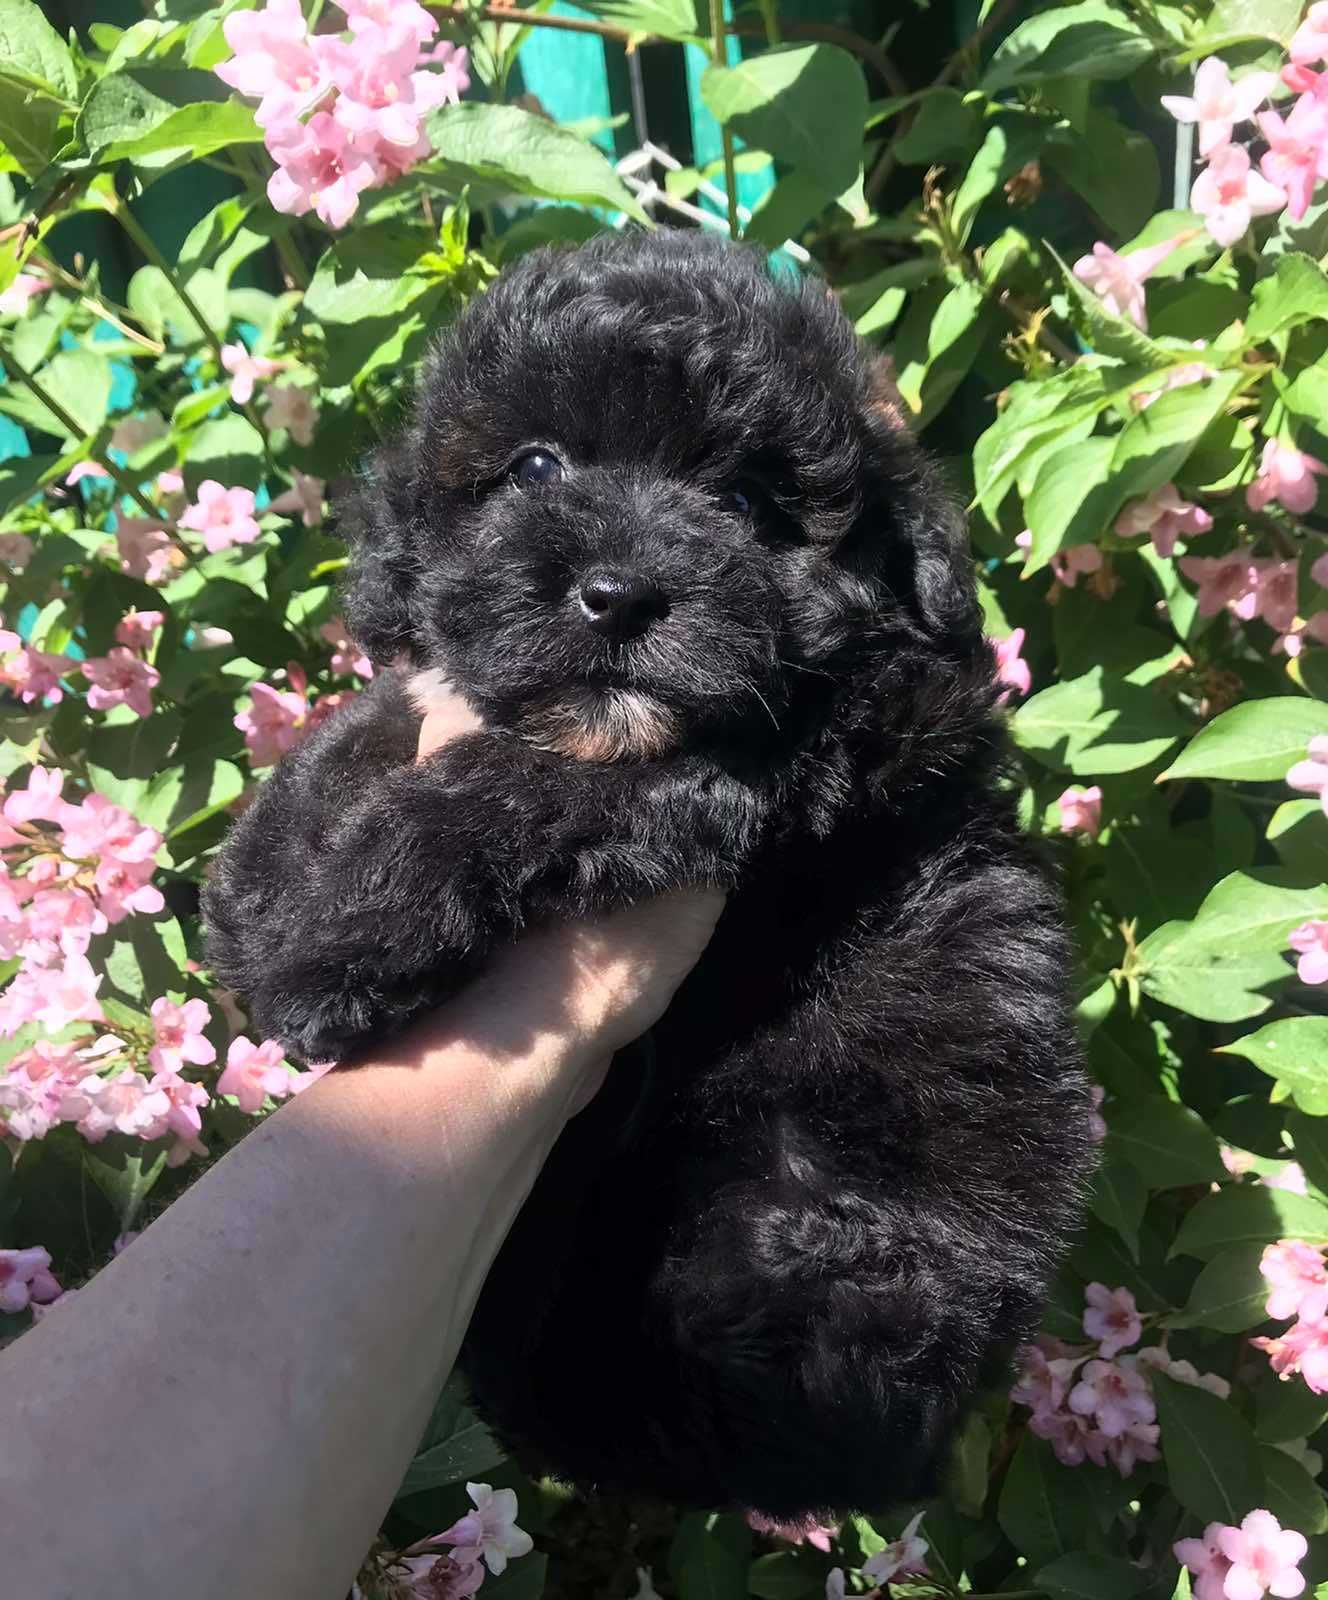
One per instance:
(1096, 724)
(522, 1579)
(805, 104)
(1229, 1295)
(1310, 1135)
(1089, 40)
(666, 19)
(38, 85)
(468, 1452)
(1256, 740)
(1212, 965)
(520, 152)
(77, 380)
(1085, 1577)
(1210, 1451)
(1249, 1214)
(1148, 452)
(1112, 167)
(126, 112)
(1291, 1494)
(1296, 292)
(1231, 21)
(1046, 1510)
(937, 343)
(1288, 1411)
(1119, 1198)
(229, 449)
(707, 1559)
(786, 1575)
(1170, 1146)
(1294, 1051)
(125, 1175)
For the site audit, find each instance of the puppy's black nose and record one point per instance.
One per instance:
(621, 604)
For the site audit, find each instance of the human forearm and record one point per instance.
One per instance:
(216, 1372)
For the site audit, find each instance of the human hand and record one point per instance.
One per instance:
(606, 980)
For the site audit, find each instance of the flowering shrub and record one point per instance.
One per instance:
(1128, 387)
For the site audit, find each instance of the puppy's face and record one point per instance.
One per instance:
(652, 495)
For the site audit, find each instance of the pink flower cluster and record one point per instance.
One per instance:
(224, 517)
(32, 675)
(1298, 1288)
(1011, 668)
(487, 1537)
(341, 116)
(25, 1279)
(904, 1557)
(1311, 774)
(1095, 1403)
(1258, 1558)
(1165, 517)
(277, 719)
(1247, 586)
(1081, 810)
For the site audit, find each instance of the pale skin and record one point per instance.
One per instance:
(228, 1407)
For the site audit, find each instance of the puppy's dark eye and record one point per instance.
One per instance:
(742, 498)
(536, 469)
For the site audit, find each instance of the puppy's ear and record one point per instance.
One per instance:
(930, 559)
(375, 519)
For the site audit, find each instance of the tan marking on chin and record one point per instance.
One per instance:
(617, 725)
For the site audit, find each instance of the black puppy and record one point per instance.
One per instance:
(659, 522)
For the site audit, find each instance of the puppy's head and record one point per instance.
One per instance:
(652, 494)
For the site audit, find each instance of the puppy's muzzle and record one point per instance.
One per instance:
(620, 604)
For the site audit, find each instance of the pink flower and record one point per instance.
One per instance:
(1302, 1349)
(1277, 593)
(1081, 812)
(1263, 1558)
(1230, 581)
(123, 887)
(1309, 43)
(1289, 1177)
(97, 828)
(306, 497)
(1068, 1435)
(51, 996)
(223, 516)
(1138, 1443)
(1011, 668)
(1295, 159)
(361, 14)
(1044, 1379)
(1310, 939)
(137, 629)
(1165, 516)
(1217, 103)
(319, 170)
(274, 61)
(16, 550)
(1297, 1279)
(808, 1531)
(246, 370)
(273, 724)
(83, 469)
(169, 489)
(60, 922)
(182, 1120)
(907, 1555)
(1310, 775)
(453, 58)
(145, 550)
(1118, 280)
(1113, 1393)
(253, 1072)
(432, 1577)
(348, 660)
(1097, 1123)
(1112, 1318)
(120, 678)
(25, 1276)
(125, 1103)
(1176, 378)
(1067, 565)
(34, 674)
(291, 408)
(179, 1034)
(1204, 1559)
(1228, 194)
(16, 299)
(40, 800)
(490, 1530)
(1287, 476)
(382, 99)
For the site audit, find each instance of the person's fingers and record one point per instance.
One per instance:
(447, 715)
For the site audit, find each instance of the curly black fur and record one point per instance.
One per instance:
(815, 1210)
